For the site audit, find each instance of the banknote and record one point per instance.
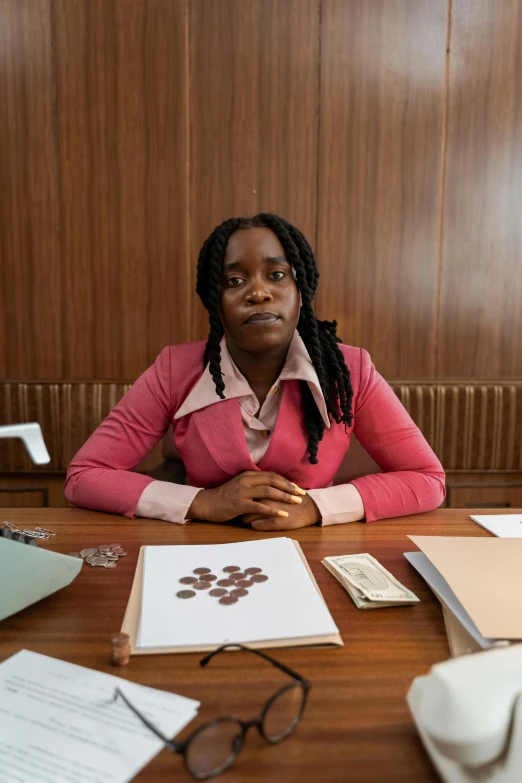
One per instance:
(369, 584)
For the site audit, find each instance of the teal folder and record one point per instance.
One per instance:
(28, 574)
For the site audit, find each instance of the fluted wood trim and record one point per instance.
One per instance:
(470, 426)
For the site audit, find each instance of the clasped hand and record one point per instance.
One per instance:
(263, 499)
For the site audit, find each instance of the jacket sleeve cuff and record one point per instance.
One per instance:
(164, 500)
(338, 505)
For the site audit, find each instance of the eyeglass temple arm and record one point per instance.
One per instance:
(175, 747)
(280, 666)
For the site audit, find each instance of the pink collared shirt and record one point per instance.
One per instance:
(169, 501)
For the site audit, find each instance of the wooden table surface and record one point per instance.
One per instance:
(357, 726)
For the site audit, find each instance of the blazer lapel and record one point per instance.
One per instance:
(288, 444)
(220, 427)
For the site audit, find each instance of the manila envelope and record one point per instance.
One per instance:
(131, 622)
(486, 576)
(459, 640)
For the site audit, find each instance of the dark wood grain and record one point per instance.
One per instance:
(32, 489)
(253, 114)
(381, 123)
(21, 496)
(330, 112)
(30, 282)
(481, 280)
(357, 726)
(473, 495)
(122, 151)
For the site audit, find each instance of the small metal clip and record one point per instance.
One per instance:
(12, 527)
(44, 530)
(35, 534)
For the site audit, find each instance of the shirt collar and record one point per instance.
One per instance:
(298, 367)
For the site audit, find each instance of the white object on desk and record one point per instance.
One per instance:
(468, 712)
(58, 722)
(501, 525)
(31, 434)
(286, 606)
(28, 574)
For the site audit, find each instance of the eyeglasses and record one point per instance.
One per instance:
(215, 745)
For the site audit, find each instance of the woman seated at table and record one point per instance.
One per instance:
(264, 411)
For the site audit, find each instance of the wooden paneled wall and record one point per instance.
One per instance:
(390, 131)
(481, 270)
(380, 164)
(31, 302)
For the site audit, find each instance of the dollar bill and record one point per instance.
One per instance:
(368, 583)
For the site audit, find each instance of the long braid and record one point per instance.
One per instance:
(319, 337)
(304, 279)
(210, 266)
(313, 421)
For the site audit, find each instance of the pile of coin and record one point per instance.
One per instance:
(235, 578)
(104, 556)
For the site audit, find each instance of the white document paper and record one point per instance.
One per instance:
(58, 723)
(445, 594)
(501, 525)
(284, 607)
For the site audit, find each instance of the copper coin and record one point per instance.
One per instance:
(251, 571)
(104, 549)
(226, 582)
(227, 600)
(231, 569)
(208, 578)
(186, 594)
(201, 571)
(238, 575)
(259, 578)
(188, 580)
(244, 583)
(114, 546)
(119, 552)
(201, 585)
(217, 592)
(239, 592)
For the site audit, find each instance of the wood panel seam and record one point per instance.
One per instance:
(318, 122)
(442, 185)
(58, 220)
(189, 313)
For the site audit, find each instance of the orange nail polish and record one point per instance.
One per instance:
(283, 513)
(296, 499)
(299, 490)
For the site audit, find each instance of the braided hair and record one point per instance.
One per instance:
(319, 337)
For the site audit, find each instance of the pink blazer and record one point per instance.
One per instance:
(212, 443)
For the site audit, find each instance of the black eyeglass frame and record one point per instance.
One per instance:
(181, 748)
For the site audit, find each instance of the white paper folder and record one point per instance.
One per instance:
(190, 614)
